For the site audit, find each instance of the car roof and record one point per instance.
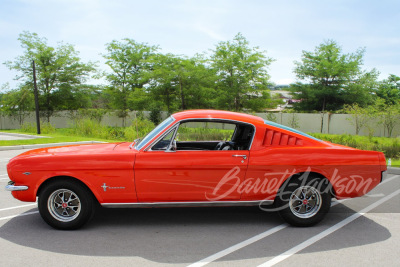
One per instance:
(217, 114)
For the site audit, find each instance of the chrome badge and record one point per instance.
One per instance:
(105, 187)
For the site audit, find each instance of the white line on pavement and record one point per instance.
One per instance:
(256, 238)
(391, 178)
(19, 215)
(246, 242)
(17, 207)
(237, 246)
(327, 232)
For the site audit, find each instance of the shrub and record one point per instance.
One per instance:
(28, 127)
(389, 146)
(138, 129)
(87, 127)
(45, 128)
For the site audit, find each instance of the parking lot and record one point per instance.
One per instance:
(357, 232)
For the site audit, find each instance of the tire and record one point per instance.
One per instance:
(66, 204)
(304, 202)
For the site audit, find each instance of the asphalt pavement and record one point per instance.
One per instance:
(357, 232)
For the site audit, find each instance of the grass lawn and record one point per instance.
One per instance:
(395, 162)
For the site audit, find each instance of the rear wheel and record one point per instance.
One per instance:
(304, 203)
(66, 205)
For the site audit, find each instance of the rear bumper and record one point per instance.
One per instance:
(12, 187)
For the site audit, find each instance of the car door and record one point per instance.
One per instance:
(190, 175)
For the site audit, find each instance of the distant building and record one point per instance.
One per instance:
(282, 87)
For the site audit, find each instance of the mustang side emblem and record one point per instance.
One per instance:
(104, 186)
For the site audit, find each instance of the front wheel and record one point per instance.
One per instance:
(66, 205)
(304, 203)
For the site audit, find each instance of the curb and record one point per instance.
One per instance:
(4, 148)
(392, 170)
(28, 136)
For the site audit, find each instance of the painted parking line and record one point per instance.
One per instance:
(238, 246)
(19, 215)
(245, 243)
(327, 232)
(258, 237)
(18, 207)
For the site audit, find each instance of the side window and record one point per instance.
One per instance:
(206, 135)
(165, 141)
(197, 131)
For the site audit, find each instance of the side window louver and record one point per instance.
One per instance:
(275, 138)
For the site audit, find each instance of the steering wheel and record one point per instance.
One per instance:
(225, 146)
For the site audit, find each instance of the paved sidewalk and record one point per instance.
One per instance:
(16, 136)
(3, 148)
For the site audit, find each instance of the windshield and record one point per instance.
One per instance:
(289, 129)
(154, 132)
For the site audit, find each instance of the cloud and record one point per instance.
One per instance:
(209, 32)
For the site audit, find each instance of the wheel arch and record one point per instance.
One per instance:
(312, 174)
(64, 177)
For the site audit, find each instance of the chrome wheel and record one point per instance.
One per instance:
(64, 205)
(305, 202)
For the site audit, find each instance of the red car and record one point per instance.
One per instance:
(259, 163)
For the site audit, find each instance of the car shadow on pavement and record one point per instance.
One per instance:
(182, 235)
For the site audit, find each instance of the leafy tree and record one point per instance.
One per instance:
(129, 63)
(389, 90)
(329, 79)
(388, 115)
(17, 103)
(183, 83)
(242, 76)
(162, 88)
(360, 117)
(60, 72)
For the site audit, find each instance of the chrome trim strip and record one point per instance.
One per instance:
(144, 147)
(16, 187)
(186, 204)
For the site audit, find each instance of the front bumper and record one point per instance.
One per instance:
(12, 187)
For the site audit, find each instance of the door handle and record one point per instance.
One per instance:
(240, 156)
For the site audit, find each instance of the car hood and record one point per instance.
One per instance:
(70, 150)
(61, 160)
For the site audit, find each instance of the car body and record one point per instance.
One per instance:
(260, 162)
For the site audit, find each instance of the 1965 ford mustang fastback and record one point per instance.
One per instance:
(259, 163)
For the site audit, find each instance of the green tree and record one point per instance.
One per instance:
(17, 103)
(329, 79)
(389, 90)
(60, 71)
(130, 64)
(242, 75)
(389, 115)
(182, 83)
(360, 117)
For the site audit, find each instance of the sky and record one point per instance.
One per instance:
(185, 27)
